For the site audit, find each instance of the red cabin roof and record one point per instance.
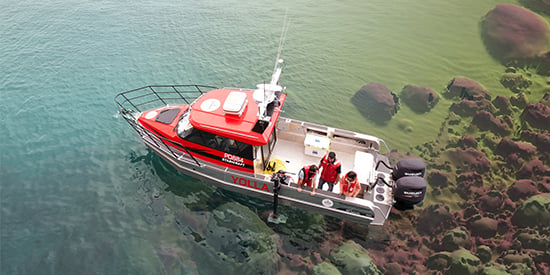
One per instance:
(208, 114)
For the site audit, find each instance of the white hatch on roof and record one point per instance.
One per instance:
(235, 103)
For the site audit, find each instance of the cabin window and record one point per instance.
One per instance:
(220, 143)
(268, 148)
(184, 126)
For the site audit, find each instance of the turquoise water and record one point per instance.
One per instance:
(76, 182)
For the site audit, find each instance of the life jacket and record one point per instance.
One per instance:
(329, 169)
(350, 187)
(308, 177)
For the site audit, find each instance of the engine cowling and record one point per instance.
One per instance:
(409, 191)
(409, 167)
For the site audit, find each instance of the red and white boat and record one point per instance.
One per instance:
(236, 139)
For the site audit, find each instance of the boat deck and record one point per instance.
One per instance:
(294, 153)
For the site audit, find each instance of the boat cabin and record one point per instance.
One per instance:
(228, 127)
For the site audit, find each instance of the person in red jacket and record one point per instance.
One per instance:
(349, 185)
(306, 176)
(330, 171)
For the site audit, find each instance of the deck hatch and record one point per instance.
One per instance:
(168, 115)
(235, 103)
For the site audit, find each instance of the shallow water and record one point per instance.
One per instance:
(78, 188)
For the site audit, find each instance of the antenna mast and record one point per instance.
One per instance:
(277, 70)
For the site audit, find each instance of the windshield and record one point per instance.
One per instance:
(184, 126)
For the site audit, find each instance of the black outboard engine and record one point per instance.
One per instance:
(409, 187)
(409, 167)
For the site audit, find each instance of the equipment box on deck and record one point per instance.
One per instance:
(316, 145)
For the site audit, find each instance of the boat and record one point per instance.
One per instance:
(235, 138)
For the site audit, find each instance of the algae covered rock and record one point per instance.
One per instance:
(533, 212)
(503, 104)
(465, 88)
(469, 159)
(439, 261)
(519, 100)
(493, 268)
(351, 258)
(485, 121)
(468, 108)
(515, 82)
(434, 219)
(243, 242)
(376, 102)
(484, 253)
(533, 239)
(522, 189)
(325, 268)
(455, 239)
(534, 169)
(463, 262)
(484, 227)
(513, 33)
(537, 115)
(419, 98)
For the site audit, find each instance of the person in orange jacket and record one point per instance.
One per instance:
(349, 185)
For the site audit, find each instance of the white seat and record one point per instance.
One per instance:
(364, 166)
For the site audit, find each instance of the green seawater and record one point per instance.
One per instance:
(78, 190)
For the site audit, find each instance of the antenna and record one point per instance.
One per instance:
(286, 24)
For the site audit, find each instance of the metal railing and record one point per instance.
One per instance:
(132, 103)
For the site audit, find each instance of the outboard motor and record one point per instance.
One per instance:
(409, 167)
(409, 191)
(409, 186)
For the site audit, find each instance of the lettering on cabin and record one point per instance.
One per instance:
(248, 183)
(236, 160)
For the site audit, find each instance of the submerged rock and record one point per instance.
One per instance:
(534, 169)
(468, 108)
(519, 100)
(437, 178)
(376, 102)
(484, 227)
(469, 159)
(493, 268)
(465, 88)
(325, 268)
(351, 258)
(434, 219)
(485, 121)
(484, 253)
(419, 98)
(503, 104)
(467, 142)
(533, 212)
(515, 82)
(439, 261)
(546, 99)
(522, 189)
(537, 115)
(243, 242)
(514, 33)
(467, 183)
(532, 239)
(463, 262)
(508, 147)
(541, 141)
(456, 238)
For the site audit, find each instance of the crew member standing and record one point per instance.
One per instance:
(306, 176)
(330, 171)
(349, 185)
